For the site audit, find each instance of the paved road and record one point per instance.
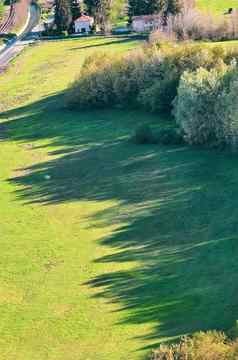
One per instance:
(17, 45)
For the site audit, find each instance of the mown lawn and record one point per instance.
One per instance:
(107, 247)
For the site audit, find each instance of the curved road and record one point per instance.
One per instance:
(18, 44)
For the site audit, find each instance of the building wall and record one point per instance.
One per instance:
(80, 25)
(138, 25)
(141, 25)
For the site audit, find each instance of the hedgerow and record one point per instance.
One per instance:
(198, 82)
(148, 77)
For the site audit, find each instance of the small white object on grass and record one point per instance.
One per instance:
(47, 177)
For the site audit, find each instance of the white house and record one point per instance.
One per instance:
(83, 24)
(146, 23)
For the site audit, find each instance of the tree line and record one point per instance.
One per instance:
(66, 11)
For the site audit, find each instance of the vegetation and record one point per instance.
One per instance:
(88, 250)
(218, 7)
(75, 9)
(63, 15)
(192, 24)
(143, 7)
(202, 346)
(107, 13)
(50, 302)
(206, 108)
(1, 9)
(101, 10)
(148, 76)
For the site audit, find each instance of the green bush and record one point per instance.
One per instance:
(113, 81)
(94, 87)
(162, 90)
(233, 332)
(202, 346)
(166, 136)
(148, 77)
(52, 32)
(195, 103)
(206, 109)
(196, 79)
(170, 136)
(160, 95)
(143, 135)
(226, 111)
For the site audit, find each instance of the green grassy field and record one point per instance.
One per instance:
(217, 6)
(107, 247)
(2, 10)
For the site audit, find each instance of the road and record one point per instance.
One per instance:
(23, 40)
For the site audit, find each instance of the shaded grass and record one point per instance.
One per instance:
(121, 246)
(167, 216)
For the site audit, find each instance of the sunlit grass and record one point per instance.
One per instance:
(218, 7)
(107, 247)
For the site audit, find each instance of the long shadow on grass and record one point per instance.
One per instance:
(112, 42)
(176, 215)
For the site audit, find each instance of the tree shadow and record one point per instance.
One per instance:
(118, 41)
(176, 215)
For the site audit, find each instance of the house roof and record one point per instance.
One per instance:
(85, 18)
(146, 17)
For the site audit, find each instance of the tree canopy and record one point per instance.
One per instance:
(147, 7)
(63, 15)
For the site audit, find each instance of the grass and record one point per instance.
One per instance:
(107, 247)
(3, 8)
(218, 7)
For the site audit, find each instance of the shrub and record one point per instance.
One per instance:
(206, 109)
(143, 135)
(192, 24)
(233, 332)
(159, 96)
(194, 106)
(129, 78)
(110, 82)
(170, 136)
(51, 32)
(160, 93)
(226, 111)
(94, 87)
(148, 77)
(202, 346)
(166, 136)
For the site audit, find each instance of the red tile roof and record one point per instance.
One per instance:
(146, 17)
(84, 18)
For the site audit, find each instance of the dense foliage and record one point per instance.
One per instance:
(66, 11)
(63, 15)
(199, 77)
(101, 11)
(206, 108)
(147, 77)
(75, 9)
(143, 7)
